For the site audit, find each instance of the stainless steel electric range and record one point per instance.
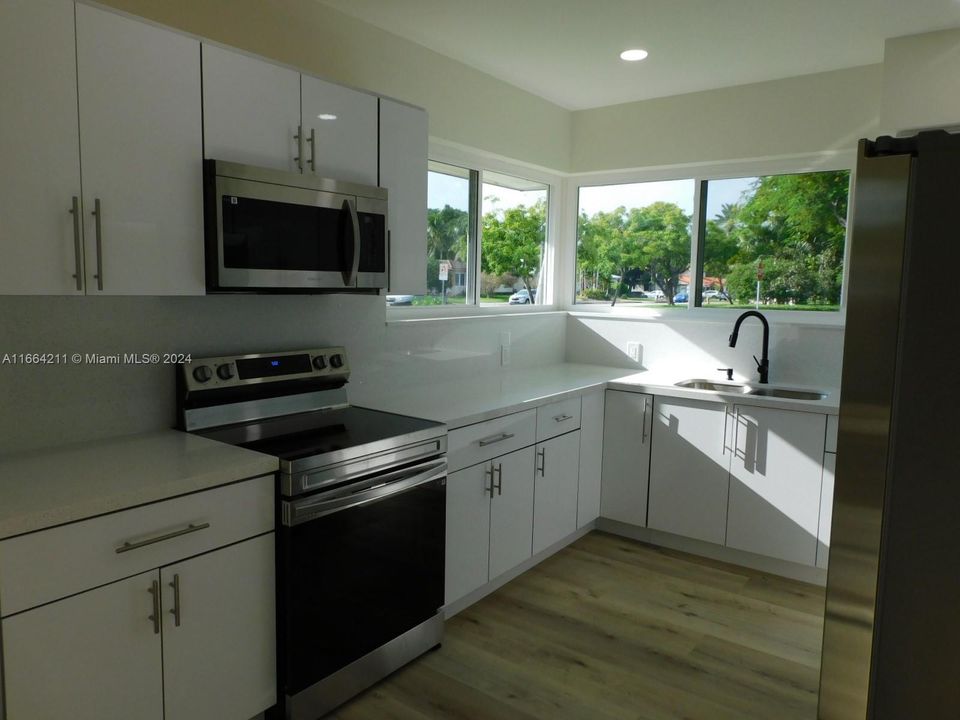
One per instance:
(361, 517)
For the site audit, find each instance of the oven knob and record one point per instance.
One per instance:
(336, 361)
(202, 373)
(319, 362)
(225, 372)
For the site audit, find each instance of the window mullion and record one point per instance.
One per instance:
(697, 235)
(473, 250)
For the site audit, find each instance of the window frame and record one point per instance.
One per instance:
(701, 174)
(475, 161)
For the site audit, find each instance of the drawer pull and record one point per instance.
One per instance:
(191, 528)
(495, 439)
(562, 418)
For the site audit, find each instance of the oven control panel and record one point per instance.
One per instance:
(239, 370)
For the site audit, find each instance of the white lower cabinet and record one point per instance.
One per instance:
(93, 655)
(775, 479)
(591, 457)
(626, 456)
(105, 653)
(219, 648)
(555, 493)
(489, 521)
(826, 507)
(690, 469)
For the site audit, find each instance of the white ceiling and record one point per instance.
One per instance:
(567, 51)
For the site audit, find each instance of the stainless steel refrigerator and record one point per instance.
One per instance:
(891, 647)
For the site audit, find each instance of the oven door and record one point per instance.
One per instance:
(374, 251)
(359, 566)
(271, 236)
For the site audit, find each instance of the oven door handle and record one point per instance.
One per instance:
(300, 511)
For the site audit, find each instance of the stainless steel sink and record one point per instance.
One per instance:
(729, 387)
(699, 384)
(788, 394)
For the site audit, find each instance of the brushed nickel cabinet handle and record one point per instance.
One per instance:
(499, 480)
(78, 269)
(495, 439)
(155, 618)
(299, 138)
(98, 215)
(726, 413)
(562, 418)
(176, 600)
(488, 473)
(542, 467)
(643, 420)
(191, 528)
(313, 149)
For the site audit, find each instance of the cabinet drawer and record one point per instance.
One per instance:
(51, 564)
(474, 444)
(558, 418)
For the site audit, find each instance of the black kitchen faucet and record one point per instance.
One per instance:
(763, 364)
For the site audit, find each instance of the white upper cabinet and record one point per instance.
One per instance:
(689, 468)
(251, 110)
(775, 479)
(140, 140)
(403, 172)
(38, 146)
(340, 132)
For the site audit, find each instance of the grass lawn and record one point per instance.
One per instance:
(431, 300)
(662, 305)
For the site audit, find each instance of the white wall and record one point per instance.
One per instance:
(800, 354)
(55, 404)
(921, 81)
(807, 114)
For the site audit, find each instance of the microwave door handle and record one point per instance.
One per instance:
(350, 275)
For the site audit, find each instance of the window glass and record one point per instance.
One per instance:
(633, 243)
(512, 238)
(448, 232)
(775, 241)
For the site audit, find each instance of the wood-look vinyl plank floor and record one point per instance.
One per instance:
(613, 629)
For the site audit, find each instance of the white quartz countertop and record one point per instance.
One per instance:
(467, 401)
(44, 488)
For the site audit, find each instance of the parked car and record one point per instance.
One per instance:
(656, 294)
(399, 300)
(709, 295)
(681, 297)
(522, 297)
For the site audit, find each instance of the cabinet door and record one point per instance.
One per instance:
(511, 511)
(591, 458)
(141, 143)
(826, 509)
(775, 480)
(39, 145)
(343, 123)
(93, 655)
(251, 110)
(467, 560)
(690, 468)
(626, 456)
(403, 172)
(555, 490)
(219, 633)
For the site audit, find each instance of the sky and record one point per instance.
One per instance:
(453, 191)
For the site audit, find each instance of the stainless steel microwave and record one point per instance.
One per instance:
(276, 232)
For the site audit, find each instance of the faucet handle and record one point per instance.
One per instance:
(760, 363)
(728, 371)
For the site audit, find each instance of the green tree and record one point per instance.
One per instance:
(661, 234)
(513, 241)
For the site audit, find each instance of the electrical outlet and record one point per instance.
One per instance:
(633, 350)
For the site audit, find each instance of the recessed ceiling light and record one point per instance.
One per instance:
(633, 55)
(327, 116)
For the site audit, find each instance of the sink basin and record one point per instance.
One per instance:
(730, 387)
(788, 394)
(711, 385)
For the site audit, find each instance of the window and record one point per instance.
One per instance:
(509, 213)
(633, 243)
(512, 239)
(775, 241)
